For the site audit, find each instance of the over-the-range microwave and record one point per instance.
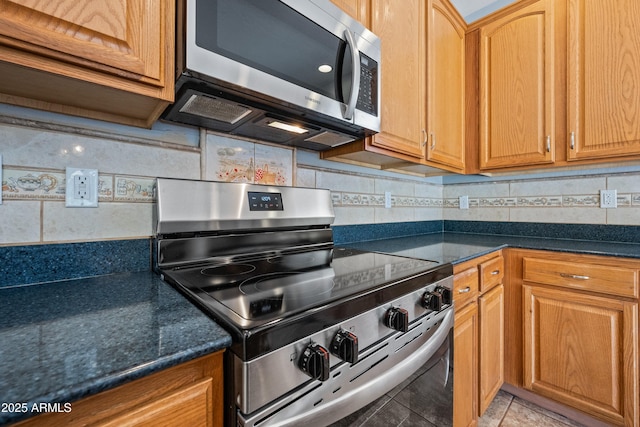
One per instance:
(295, 72)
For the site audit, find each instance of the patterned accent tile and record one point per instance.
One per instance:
(273, 165)
(105, 188)
(133, 189)
(539, 201)
(635, 199)
(624, 200)
(494, 202)
(33, 184)
(587, 200)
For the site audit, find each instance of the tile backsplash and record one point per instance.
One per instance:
(36, 152)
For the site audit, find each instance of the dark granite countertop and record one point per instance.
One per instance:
(459, 247)
(62, 341)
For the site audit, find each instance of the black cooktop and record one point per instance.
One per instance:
(272, 287)
(253, 296)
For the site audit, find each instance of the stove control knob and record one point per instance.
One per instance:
(315, 362)
(432, 300)
(447, 296)
(345, 346)
(397, 318)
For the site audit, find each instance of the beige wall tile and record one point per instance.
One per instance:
(305, 178)
(552, 187)
(336, 181)
(477, 214)
(55, 150)
(354, 215)
(107, 221)
(19, 222)
(559, 215)
(489, 189)
(623, 216)
(624, 183)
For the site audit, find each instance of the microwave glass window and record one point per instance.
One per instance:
(270, 36)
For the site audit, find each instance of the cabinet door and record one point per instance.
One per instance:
(118, 37)
(357, 9)
(517, 88)
(603, 78)
(582, 350)
(401, 28)
(465, 366)
(446, 80)
(491, 345)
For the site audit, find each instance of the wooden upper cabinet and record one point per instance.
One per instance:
(517, 88)
(107, 59)
(603, 78)
(401, 28)
(357, 9)
(446, 83)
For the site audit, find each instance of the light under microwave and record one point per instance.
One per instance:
(295, 72)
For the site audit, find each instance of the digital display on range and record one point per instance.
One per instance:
(259, 201)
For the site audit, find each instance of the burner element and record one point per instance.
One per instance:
(227, 270)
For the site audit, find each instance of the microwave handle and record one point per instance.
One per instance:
(350, 106)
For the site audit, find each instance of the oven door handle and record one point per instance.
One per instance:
(378, 380)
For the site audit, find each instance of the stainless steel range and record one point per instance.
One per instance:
(318, 331)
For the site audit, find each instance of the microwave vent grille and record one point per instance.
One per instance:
(330, 138)
(214, 108)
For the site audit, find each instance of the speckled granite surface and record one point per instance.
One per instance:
(458, 241)
(62, 341)
(21, 265)
(460, 247)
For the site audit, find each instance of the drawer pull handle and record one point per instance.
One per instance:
(495, 272)
(465, 290)
(574, 276)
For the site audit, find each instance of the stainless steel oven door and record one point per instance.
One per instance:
(411, 368)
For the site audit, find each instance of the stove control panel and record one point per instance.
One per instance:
(314, 362)
(345, 346)
(397, 318)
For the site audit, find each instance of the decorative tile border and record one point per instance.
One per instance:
(377, 200)
(42, 184)
(625, 200)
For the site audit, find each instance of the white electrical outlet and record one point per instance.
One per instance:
(464, 202)
(387, 199)
(608, 198)
(81, 188)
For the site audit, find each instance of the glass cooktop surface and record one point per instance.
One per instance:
(269, 288)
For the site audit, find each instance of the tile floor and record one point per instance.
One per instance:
(509, 411)
(505, 411)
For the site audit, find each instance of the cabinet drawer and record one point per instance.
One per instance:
(604, 279)
(491, 273)
(465, 287)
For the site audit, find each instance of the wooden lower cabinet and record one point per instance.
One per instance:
(186, 395)
(582, 350)
(491, 342)
(465, 363)
(478, 343)
(572, 333)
